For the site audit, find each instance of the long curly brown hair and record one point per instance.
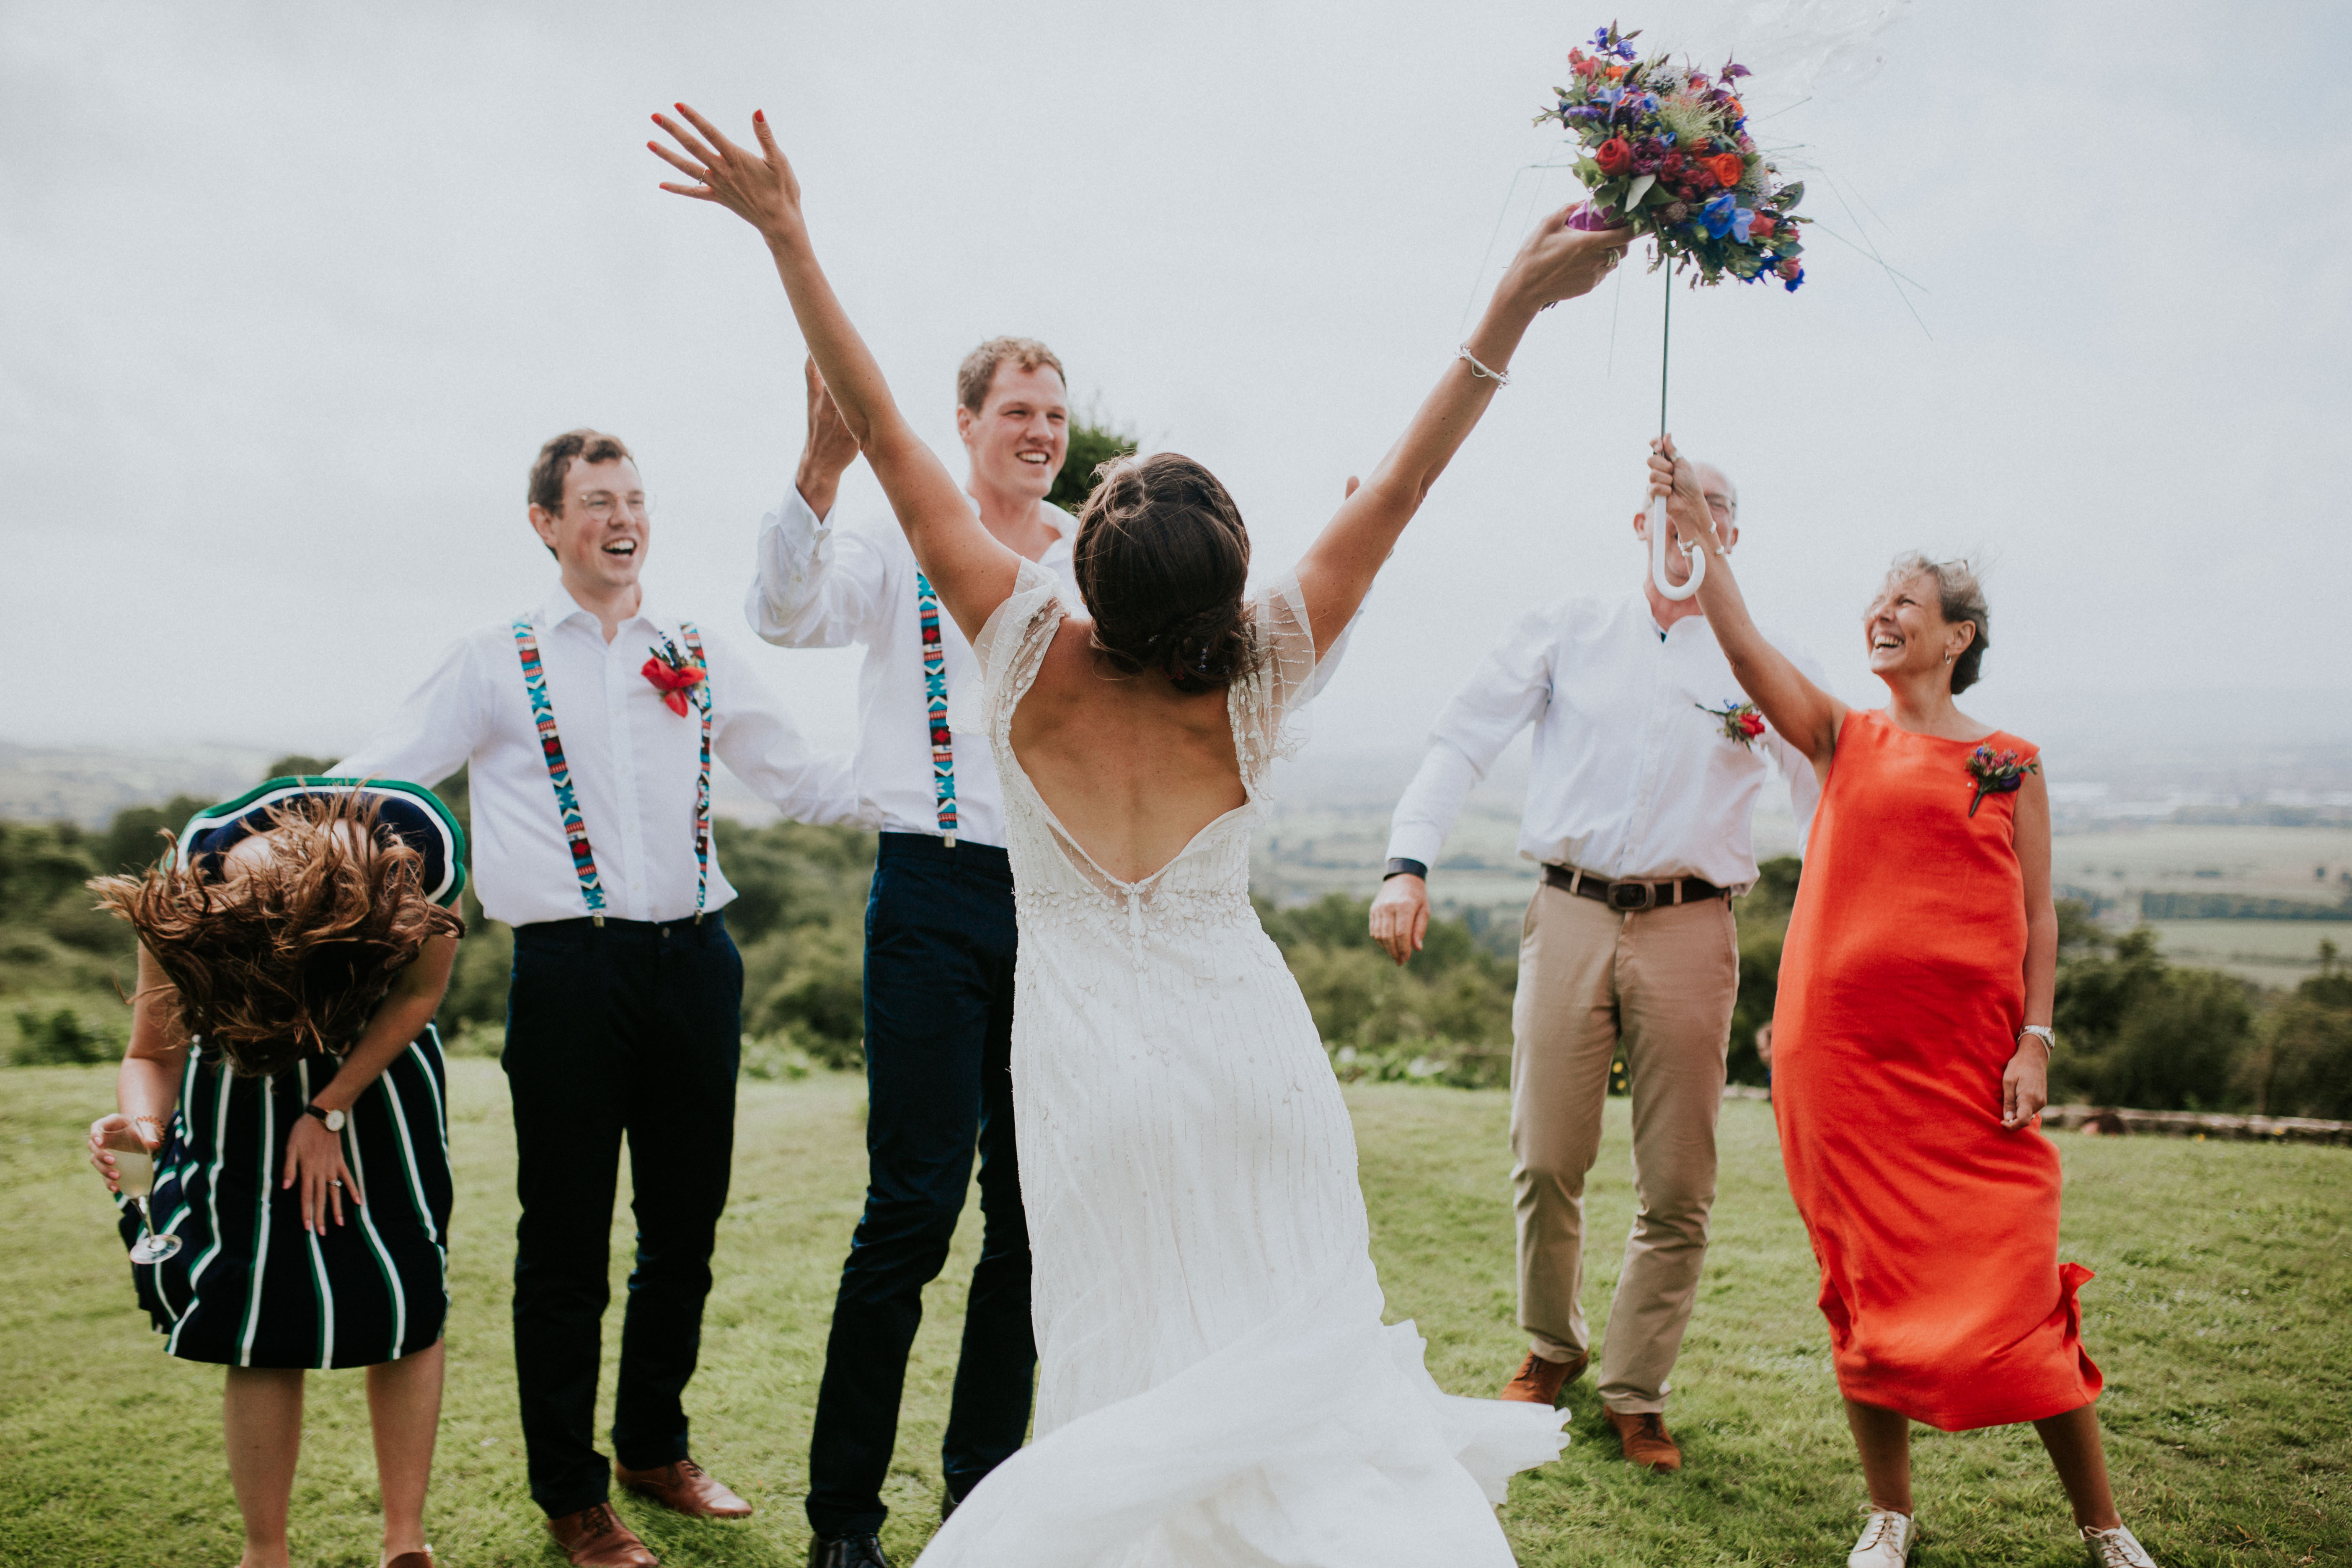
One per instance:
(292, 953)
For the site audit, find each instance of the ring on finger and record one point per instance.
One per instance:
(335, 1181)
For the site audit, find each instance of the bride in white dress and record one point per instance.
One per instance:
(1215, 1383)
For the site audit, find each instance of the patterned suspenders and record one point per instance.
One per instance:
(935, 698)
(567, 798)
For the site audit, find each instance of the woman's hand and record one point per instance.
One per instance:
(2025, 1083)
(129, 1135)
(1401, 915)
(1560, 263)
(314, 1157)
(758, 187)
(1673, 476)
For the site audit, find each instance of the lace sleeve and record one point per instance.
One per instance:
(1267, 725)
(1007, 652)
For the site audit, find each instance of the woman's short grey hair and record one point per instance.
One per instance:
(1960, 597)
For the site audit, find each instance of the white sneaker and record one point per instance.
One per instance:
(2116, 1548)
(1886, 1540)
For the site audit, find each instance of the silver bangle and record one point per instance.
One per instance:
(1477, 369)
(2043, 1032)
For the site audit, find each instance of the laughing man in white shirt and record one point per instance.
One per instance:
(589, 723)
(1646, 768)
(939, 944)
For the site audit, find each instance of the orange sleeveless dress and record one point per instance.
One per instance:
(1902, 991)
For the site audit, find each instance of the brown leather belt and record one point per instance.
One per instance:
(1630, 896)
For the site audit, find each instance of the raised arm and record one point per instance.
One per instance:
(1806, 715)
(1555, 263)
(972, 571)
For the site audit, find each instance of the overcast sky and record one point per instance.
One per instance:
(290, 296)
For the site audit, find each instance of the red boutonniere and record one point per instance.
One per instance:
(672, 675)
(1741, 722)
(2001, 775)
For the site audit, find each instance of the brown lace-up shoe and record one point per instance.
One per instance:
(1539, 1379)
(1645, 1440)
(686, 1486)
(596, 1538)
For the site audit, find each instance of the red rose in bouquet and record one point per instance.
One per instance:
(1614, 155)
(1729, 167)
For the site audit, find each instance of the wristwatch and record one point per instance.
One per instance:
(333, 1119)
(1399, 866)
(2044, 1033)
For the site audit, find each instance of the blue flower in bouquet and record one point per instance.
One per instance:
(1717, 217)
(1742, 218)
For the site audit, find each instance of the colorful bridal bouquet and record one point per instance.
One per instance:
(1666, 149)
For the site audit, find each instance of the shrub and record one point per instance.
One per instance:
(62, 1038)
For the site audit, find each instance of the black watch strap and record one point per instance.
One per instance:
(314, 1111)
(1399, 866)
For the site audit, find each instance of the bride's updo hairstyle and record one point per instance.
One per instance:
(1162, 558)
(291, 953)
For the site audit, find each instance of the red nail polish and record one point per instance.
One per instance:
(760, 115)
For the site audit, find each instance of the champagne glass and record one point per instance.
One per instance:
(153, 1246)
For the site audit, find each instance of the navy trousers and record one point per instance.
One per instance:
(940, 937)
(631, 1031)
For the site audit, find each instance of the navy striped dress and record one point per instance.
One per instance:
(249, 1287)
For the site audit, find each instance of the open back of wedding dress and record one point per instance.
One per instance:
(1215, 1384)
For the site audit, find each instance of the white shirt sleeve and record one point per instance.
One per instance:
(1509, 690)
(432, 733)
(754, 735)
(811, 587)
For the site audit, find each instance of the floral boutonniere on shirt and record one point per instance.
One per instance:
(1997, 774)
(1740, 721)
(672, 675)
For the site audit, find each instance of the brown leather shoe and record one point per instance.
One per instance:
(686, 1486)
(596, 1538)
(1539, 1379)
(1645, 1440)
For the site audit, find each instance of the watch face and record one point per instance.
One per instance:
(334, 1121)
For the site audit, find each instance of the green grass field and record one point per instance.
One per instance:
(2219, 1317)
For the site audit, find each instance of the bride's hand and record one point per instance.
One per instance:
(758, 187)
(1673, 476)
(116, 1133)
(1559, 262)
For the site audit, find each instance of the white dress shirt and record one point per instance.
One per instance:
(634, 762)
(1629, 779)
(816, 586)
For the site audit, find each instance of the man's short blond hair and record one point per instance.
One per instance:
(977, 371)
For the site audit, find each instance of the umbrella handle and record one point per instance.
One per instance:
(1659, 531)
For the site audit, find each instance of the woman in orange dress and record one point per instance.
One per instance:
(1912, 1041)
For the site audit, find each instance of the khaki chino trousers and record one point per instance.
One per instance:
(1657, 986)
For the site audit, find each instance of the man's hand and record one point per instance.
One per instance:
(830, 447)
(1401, 915)
(758, 187)
(1673, 476)
(2025, 1085)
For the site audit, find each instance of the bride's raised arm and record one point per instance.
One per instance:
(972, 571)
(1555, 263)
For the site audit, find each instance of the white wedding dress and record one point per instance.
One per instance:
(1215, 1384)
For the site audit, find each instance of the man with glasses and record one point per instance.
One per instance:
(590, 725)
(1646, 768)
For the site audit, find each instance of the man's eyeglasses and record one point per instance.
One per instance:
(604, 506)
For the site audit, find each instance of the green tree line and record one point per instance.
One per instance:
(2134, 1030)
